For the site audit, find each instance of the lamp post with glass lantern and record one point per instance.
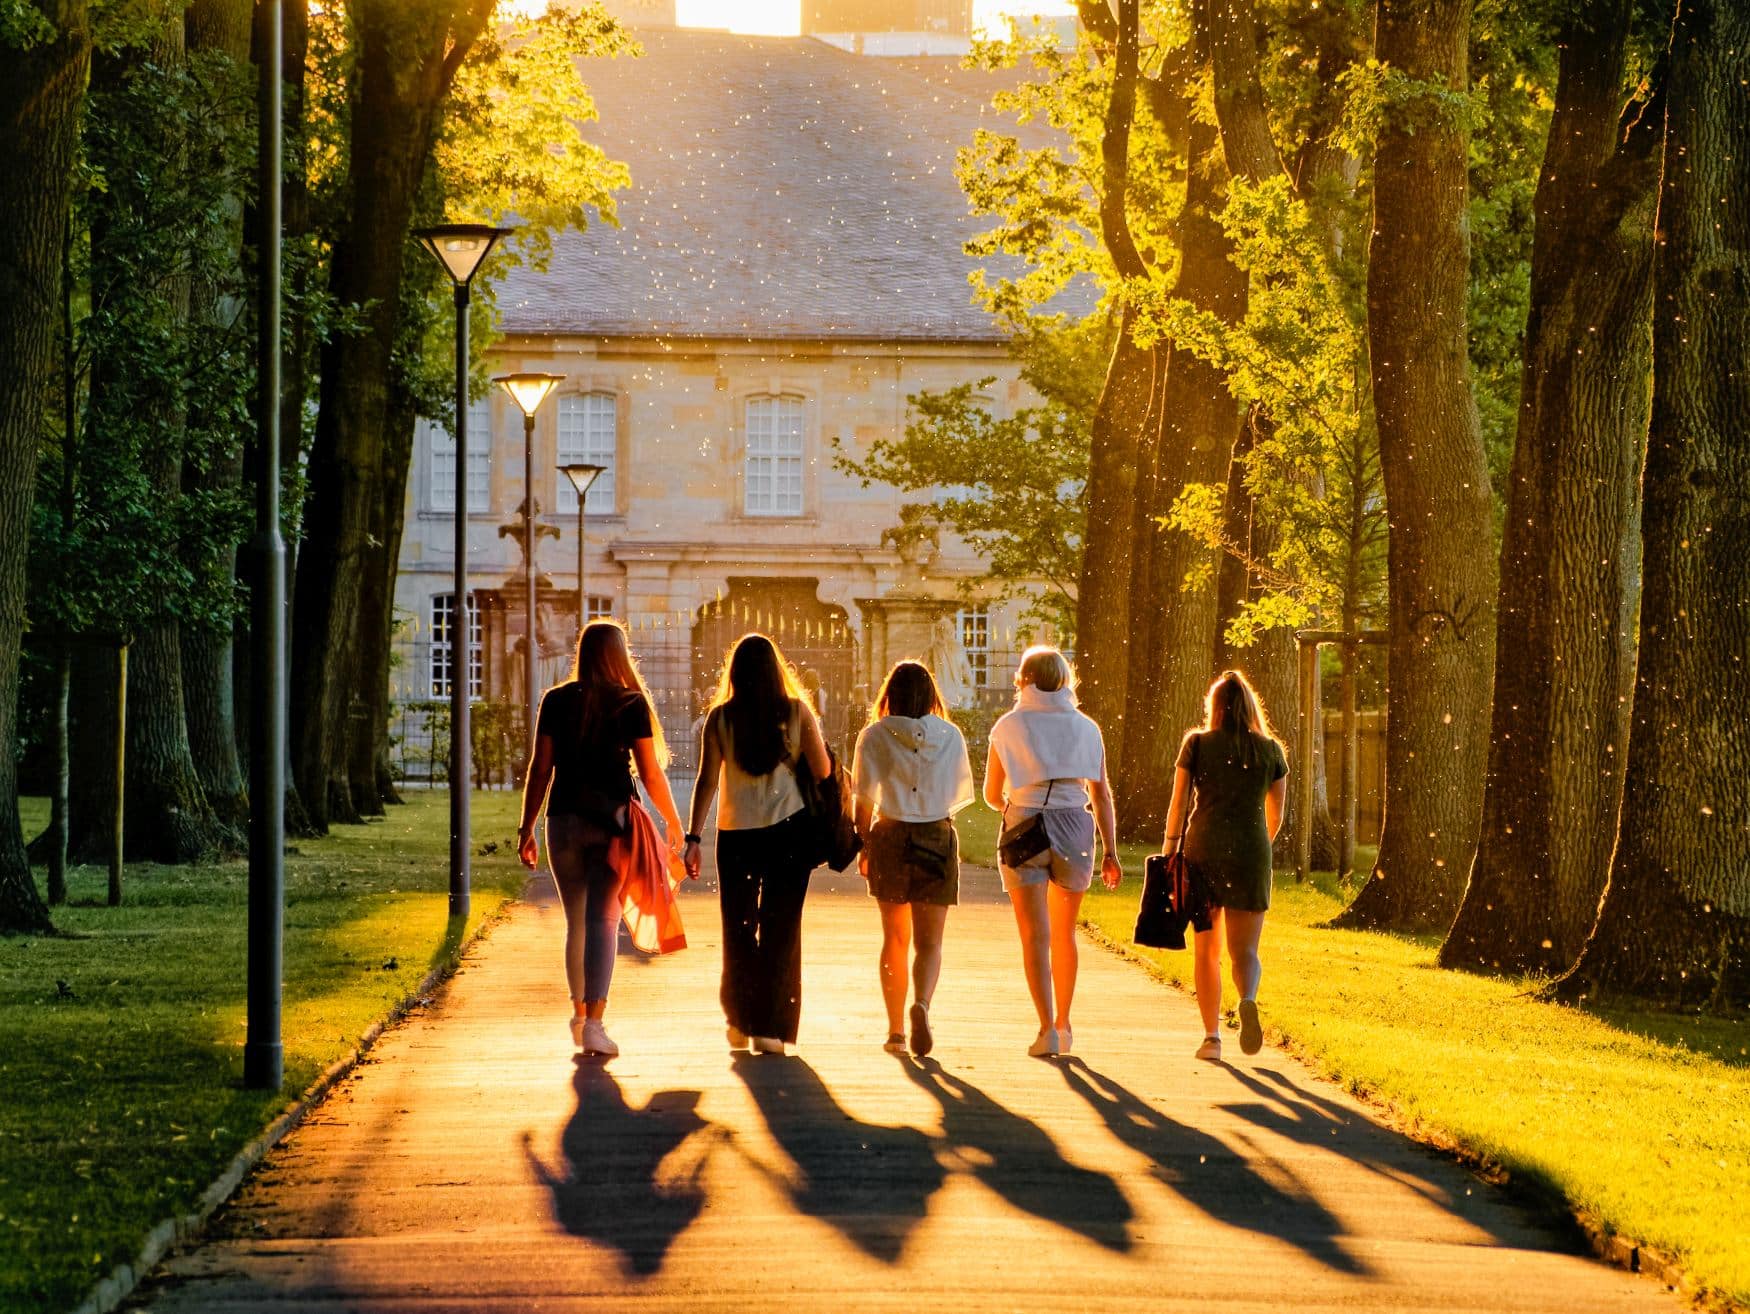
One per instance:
(460, 248)
(529, 390)
(581, 474)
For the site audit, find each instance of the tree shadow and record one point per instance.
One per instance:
(872, 1182)
(1017, 1159)
(611, 1188)
(1209, 1174)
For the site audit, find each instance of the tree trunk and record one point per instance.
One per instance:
(40, 92)
(1176, 645)
(1570, 551)
(1675, 921)
(406, 60)
(208, 684)
(1441, 624)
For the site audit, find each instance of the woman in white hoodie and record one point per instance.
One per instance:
(1047, 775)
(911, 775)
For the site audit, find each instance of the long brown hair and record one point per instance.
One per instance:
(1234, 706)
(909, 690)
(606, 672)
(754, 693)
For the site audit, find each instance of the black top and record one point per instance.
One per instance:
(1227, 838)
(591, 776)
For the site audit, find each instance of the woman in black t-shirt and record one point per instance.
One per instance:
(1238, 773)
(591, 732)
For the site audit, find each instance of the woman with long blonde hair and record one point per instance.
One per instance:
(759, 727)
(1047, 775)
(911, 775)
(591, 732)
(1236, 771)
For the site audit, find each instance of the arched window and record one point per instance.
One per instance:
(589, 431)
(772, 473)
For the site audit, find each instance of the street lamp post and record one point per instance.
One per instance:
(529, 391)
(263, 1055)
(581, 474)
(460, 248)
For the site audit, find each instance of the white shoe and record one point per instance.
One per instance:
(737, 1039)
(1044, 1045)
(596, 1040)
(767, 1045)
(1210, 1049)
(577, 1031)
(1065, 1038)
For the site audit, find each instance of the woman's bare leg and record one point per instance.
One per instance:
(1244, 930)
(1208, 975)
(895, 947)
(1033, 919)
(1065, 906)
(928, 920)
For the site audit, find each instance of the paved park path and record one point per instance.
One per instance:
(474, 1164)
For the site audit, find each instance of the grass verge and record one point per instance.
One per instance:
(1639, 1120)
(121, 1039)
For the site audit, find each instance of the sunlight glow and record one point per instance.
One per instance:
(750, 17)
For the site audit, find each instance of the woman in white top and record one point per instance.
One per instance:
(1048, 761)
(759, 724)
(911, 775)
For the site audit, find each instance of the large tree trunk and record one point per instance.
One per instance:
(40, 93)
(1570, 551)
(208, 685)
(1200, 420)
(1441, 645)
(1675, 922)
(406, 59)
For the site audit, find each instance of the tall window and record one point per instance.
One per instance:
(443, 613)
(588, 427)
(975, 638)
(441, 494)
(773, 476)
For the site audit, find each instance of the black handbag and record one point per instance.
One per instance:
(1171, 901)
(1026, 838)
(830, 805)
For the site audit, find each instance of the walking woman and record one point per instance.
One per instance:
(1047, 775)
(759, 725)
(592, 730)
(911, 775)
(1237, 772)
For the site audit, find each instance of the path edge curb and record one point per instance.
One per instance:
(107, 1293)
(1605, 1245)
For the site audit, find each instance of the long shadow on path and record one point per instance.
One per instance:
(872, 1182)
(1017, 1159)
(610, 1188)
(1211, 1175)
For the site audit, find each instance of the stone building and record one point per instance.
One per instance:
(788, 270)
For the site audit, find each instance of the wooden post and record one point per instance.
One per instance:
(1303, 791)
(121, 770)
(1351, 775)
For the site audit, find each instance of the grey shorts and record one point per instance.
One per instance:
(1068, 861)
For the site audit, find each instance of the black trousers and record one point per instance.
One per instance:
(762, 879)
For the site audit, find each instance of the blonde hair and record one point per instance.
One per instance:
(1232, 704)
(1046, 669)
(604, 661)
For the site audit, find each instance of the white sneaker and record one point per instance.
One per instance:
(767, 1045)
(1065, 1038)
(577, 1031)
(737, 1039)
(1210, 1049)
(596, 1040)
(1044, 1045)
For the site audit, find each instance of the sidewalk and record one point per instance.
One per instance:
(473, 1164)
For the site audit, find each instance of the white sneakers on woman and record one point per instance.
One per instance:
(768, 1045)
(1045, 1044)
(595, 1039)
(1210, 1049)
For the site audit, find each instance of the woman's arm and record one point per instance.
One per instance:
(534, 794)
(655, 781)
(994, 781)
(1274, 805)
(1106, 818)
(704, 789)
(1177, 809)
(814, 743)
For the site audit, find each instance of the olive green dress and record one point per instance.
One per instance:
(1227, 840)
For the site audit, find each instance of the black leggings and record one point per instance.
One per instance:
(762, 879)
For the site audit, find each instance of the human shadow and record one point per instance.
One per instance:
(1209, 1174)
(1017, 1159)
(870, 1181)
(611, 1188)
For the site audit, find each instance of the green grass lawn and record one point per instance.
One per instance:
(1639, 1120)
(121, 1040)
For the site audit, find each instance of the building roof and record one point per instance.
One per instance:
(781, 188)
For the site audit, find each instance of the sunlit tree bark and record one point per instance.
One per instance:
(1675, 921)
(1570, 551)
